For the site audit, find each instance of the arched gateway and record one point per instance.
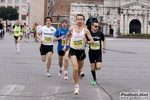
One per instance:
(135, 26)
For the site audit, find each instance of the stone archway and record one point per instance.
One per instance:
(135, 26)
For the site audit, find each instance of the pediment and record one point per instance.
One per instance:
(135, 5)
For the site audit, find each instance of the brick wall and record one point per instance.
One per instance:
(62, 7)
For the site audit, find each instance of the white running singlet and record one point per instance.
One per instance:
(78, 40)
(47, 34)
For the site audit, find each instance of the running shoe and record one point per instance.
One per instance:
(65, 76)
(76, 91)
(94, 82)
(82, 74)
(60, 72)
(48, 74)
(18, 50)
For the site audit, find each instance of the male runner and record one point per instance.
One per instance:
(45, 36)
(77, 55)
(60, 37)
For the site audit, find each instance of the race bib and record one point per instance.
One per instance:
(17, 31)
(95, 46)
(78, 43)
(48, 40)
(63, 42)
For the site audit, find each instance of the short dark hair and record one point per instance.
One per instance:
(48, 17)
(94, 21)
(80, 15)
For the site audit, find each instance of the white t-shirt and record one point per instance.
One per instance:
(38, 27)
(47, 34)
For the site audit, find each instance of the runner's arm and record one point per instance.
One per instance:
(67, 37)
(91, 41)
(57, 36)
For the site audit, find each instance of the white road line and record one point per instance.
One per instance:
(99, 94)
(56, 90)
(17, 89)
(10, 90)
(49, 91)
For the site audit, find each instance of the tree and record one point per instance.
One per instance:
(8, 13)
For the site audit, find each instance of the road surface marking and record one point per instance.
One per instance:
(99, 94)
(11, 90)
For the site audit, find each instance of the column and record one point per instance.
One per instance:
(121, 24)
(145, 24)
(126, 25)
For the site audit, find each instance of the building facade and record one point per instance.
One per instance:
(34, 7)
(62, 7)
(116, 16)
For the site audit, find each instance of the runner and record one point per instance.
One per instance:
(45, 36)
(27, 33)
(17, 33)
(60, 37)
(95, 50)
(77, 55)
(24, 31)
(35, 32)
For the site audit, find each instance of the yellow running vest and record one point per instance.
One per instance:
(17, 30)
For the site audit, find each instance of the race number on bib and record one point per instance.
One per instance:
(48, 39)
(95, 46)
(78, 43)
(63, 42)
(17, 31)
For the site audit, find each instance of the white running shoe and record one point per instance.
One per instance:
(65, 76)
(18, 50)
(48, 74)
(76, 91)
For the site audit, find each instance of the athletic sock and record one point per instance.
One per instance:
(93, 74)
(18, 45)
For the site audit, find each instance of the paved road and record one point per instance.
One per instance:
(125, 69)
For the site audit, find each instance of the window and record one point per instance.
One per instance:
(9, 1)
(16, 1)
(23, 17)
(17, 7)
(2, 1)
(24, 9)
(24, 1)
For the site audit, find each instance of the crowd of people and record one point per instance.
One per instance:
(71, 45)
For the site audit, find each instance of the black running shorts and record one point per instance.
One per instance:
(44, 49)
(16, 37)
(61, 53)
(95, 56)
(80, 54)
